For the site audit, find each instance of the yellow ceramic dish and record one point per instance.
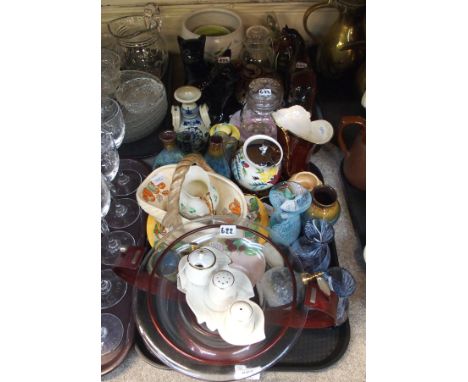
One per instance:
(226, 128)
(154, 230)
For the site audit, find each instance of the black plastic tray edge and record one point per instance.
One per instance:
(347, 187)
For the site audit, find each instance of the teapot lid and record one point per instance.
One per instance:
(170, 329)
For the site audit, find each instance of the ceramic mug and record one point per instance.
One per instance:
(250, 175)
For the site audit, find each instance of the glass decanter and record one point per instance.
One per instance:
(170, 154)
(263, 97)
(258, 48)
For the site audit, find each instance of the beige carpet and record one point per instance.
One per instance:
(351, 367)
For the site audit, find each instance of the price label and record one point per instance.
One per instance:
(224, 60)
(265, 92)
(228, 230)
(301, 65)
(242, 371)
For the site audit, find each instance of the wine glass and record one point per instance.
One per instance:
(122, 212)
(112, 243)
(105, 205)
(113, 289)
(112, 332)
(110, 71)
(112, 121)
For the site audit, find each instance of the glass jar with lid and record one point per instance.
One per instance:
(258, 47)
(139, 37)
(264, 96)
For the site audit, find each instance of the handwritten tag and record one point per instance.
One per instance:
(265, 92)
(301, 65)
(228, 230)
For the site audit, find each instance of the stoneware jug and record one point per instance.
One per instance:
(354, 166)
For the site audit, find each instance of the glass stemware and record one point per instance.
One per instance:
(110, 71)
(105, 205)
(112, 122)
(122, 212)
(113, 289)
(112, 332)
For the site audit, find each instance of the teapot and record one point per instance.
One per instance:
(354, 166)
(190, 121)
(342, 47)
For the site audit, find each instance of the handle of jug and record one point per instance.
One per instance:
(310, 10)
(346, 121)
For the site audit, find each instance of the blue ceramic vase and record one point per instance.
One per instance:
(170, 154)
(215, 156)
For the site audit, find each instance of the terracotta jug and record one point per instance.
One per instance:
(354, 166)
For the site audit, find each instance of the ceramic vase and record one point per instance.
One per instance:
(257, 176)
(170, 154)
(289, 200)
(215, 156)
(325, 205)
(190, 121)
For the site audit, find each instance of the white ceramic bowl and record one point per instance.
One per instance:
(216, 45)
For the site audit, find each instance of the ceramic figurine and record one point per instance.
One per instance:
(191, 52)
(170, 153)
(289, 200)
(302, 85)
(324, 205)
(219, 91)
(215, 156)
(190, 121)
(312, 248)
(257, 164)
(198, 197)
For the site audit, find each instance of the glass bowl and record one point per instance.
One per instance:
(169, 327)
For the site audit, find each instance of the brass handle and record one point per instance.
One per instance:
(308, 277)
(172, 217)
(313, 8)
